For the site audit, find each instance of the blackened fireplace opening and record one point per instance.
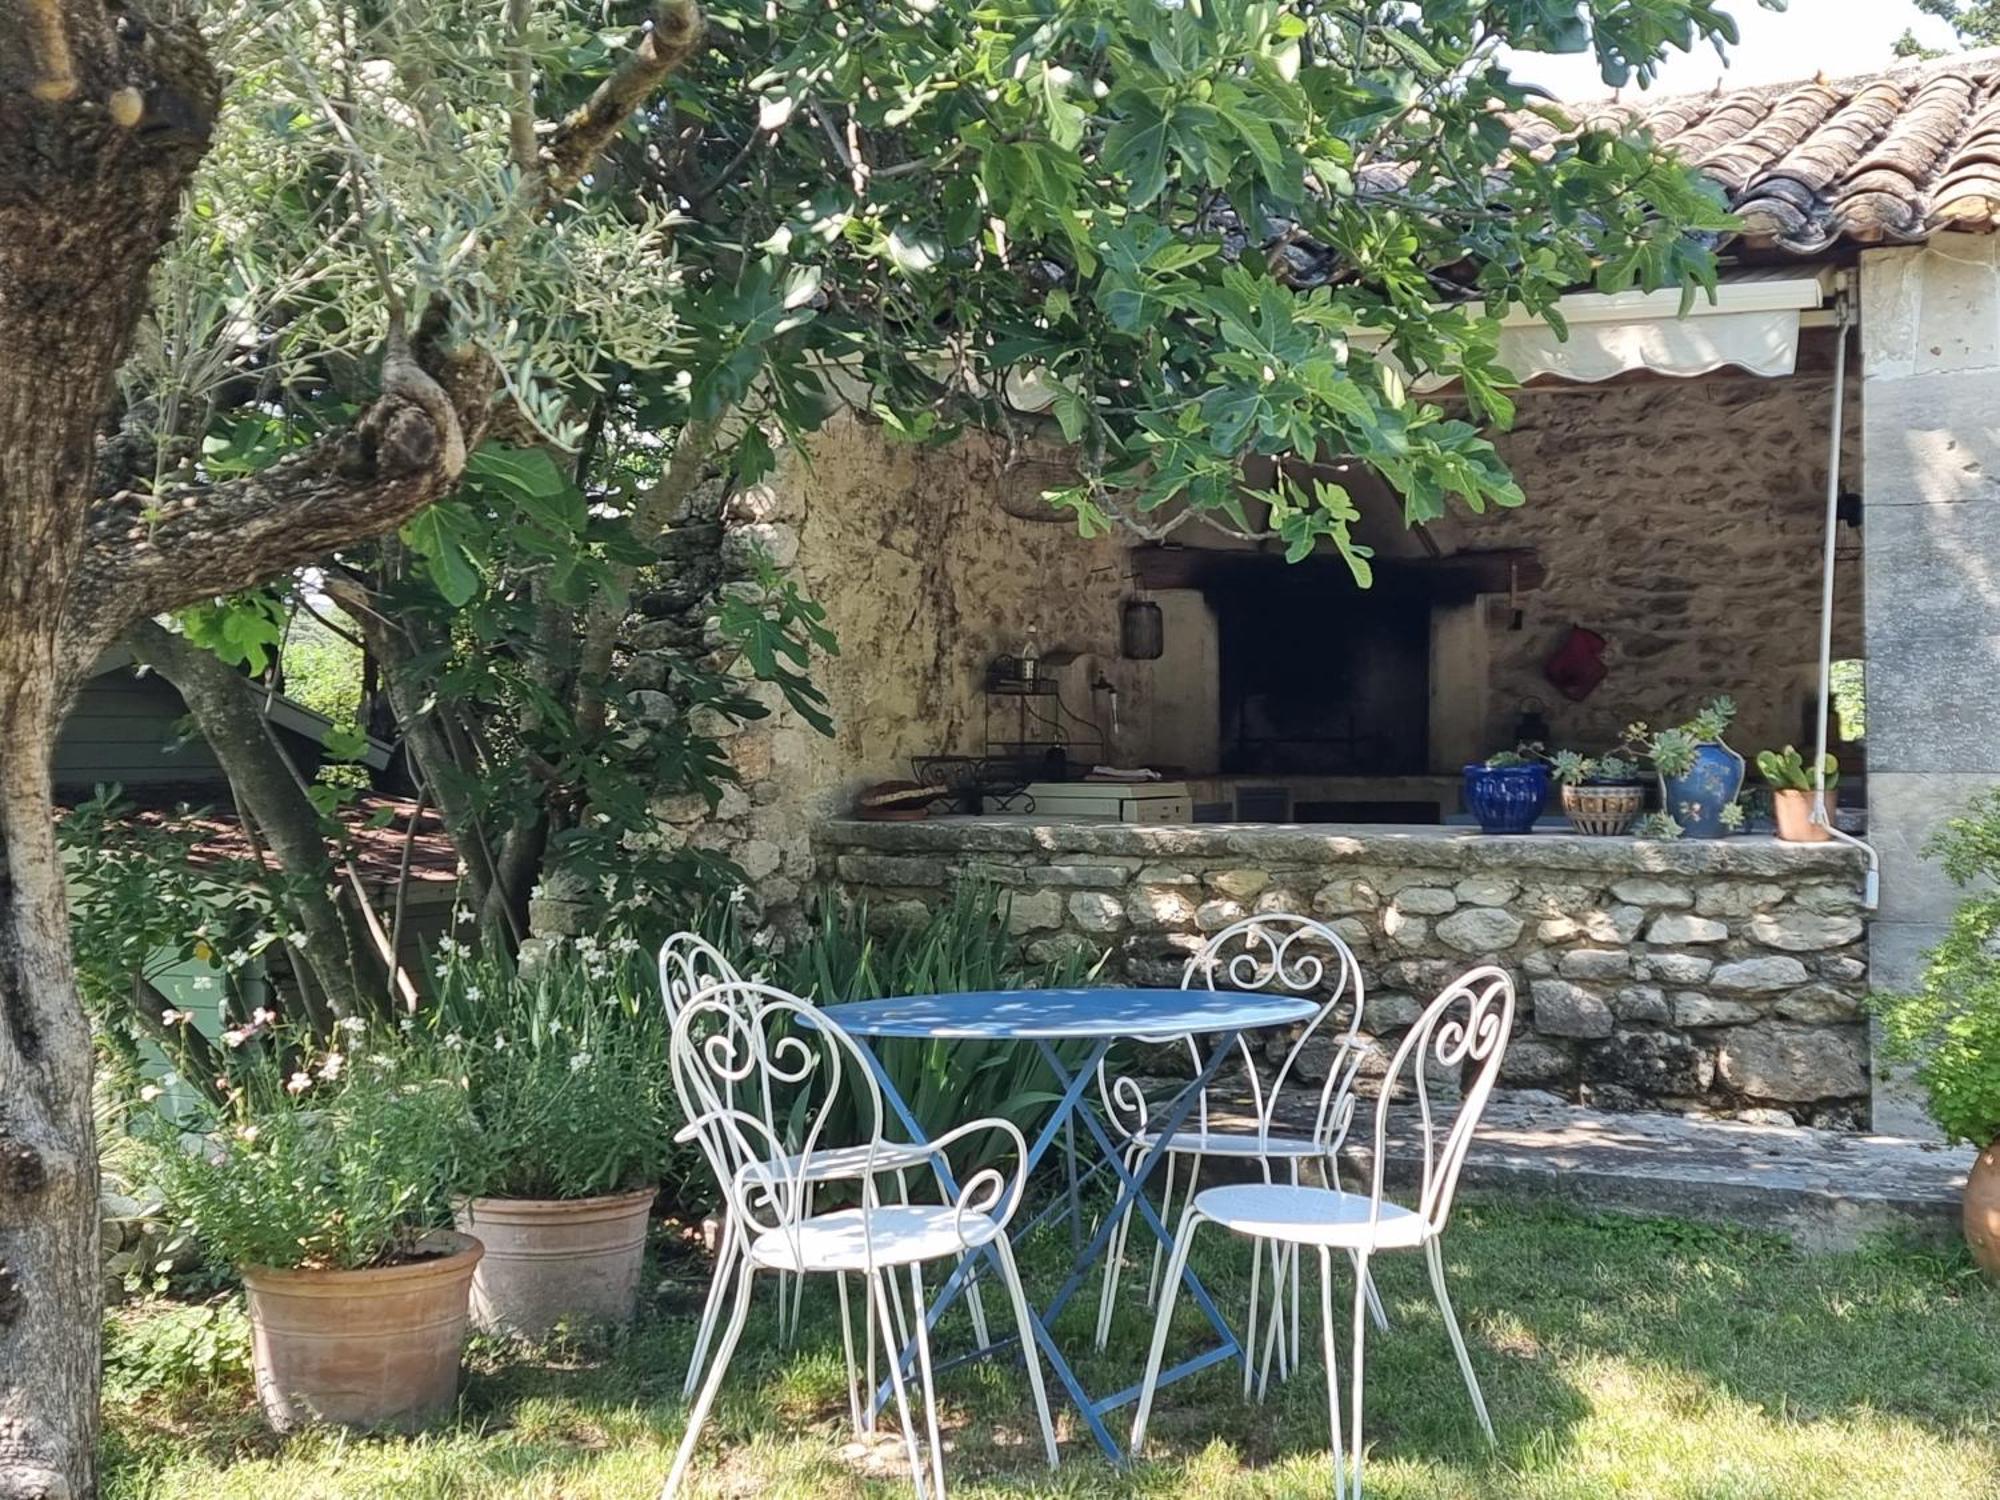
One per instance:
(1319, 677)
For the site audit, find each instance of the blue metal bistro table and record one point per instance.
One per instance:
(1100, 1017)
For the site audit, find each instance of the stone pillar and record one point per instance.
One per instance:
(1930, 365)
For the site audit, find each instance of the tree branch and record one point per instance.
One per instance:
(144, 555)
(56, 79)
(445, 780)
(521, 73)
(225, 704)
(575, 144)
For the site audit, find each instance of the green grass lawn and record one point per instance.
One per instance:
(1619, 1358)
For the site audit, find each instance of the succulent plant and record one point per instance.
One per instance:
(1574, 768)
(1786, 770)
(1673, 751)
(1713, 721)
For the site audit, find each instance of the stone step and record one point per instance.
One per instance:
(1826, 1190)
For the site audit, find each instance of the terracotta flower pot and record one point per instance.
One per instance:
(573, 1261)
(1793, 811)
(1982, 1210)
(370, 1349)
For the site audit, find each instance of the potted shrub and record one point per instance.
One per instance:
(320, 1178)
(1950, 1027)
(1601, 795)
(567, 1080)
(1506, 792)
(1700, 776)
(1792, 794)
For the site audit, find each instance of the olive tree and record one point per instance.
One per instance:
(1186, 224)
(106, 111)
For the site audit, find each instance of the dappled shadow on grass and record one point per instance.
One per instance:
(1607, 1348)
(1548, 1295)
(1900, 1332)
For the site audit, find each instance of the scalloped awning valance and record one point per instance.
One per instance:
(1753, 325)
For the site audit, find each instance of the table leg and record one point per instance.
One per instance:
(1075, 1204)
(1132, 1185)
(955, 1284)
(1069, 1108)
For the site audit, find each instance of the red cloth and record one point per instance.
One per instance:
(1576, 666)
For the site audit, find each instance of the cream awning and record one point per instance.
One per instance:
(1752, 325)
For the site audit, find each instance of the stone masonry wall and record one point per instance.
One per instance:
(1720, 978)
(925, 579)
(714, 548)
(1930, 332)
(1684, 521)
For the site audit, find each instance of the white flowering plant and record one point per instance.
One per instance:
(334, 1157)
(564, 1064)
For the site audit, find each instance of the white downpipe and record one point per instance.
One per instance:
(1872, 891)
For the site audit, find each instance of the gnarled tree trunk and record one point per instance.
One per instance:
(354, 978)
(105, 110)
(101, 123)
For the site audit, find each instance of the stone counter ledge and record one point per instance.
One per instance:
(1412, 846)
(1723, 977)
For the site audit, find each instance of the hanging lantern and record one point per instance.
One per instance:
(1142, 631)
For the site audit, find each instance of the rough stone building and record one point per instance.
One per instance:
(1677, 475)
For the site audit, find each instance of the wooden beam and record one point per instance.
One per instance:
(1450, 576)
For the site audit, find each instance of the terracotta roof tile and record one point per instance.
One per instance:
(1888, 158)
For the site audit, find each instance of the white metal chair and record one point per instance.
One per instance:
(690, 965)
(1467, 1026)
(749, 1062)
(1278, 951)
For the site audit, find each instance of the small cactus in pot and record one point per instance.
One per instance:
(1793, 786)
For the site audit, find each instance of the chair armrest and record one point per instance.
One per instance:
(989, 1191)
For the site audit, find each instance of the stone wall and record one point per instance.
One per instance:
(1930, 331)
(925, 577)
(1722, 977)
(1684, 521)
(714, 548)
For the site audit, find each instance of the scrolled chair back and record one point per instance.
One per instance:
(1468, 1025)
(1303, 957)
(761, 1073)
(1271, 952)
(689, 964)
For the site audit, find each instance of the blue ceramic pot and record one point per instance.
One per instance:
(1506, 799)
(1696, 800)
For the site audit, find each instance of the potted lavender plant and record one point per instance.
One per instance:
(322, 1175)
(567, 1082)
